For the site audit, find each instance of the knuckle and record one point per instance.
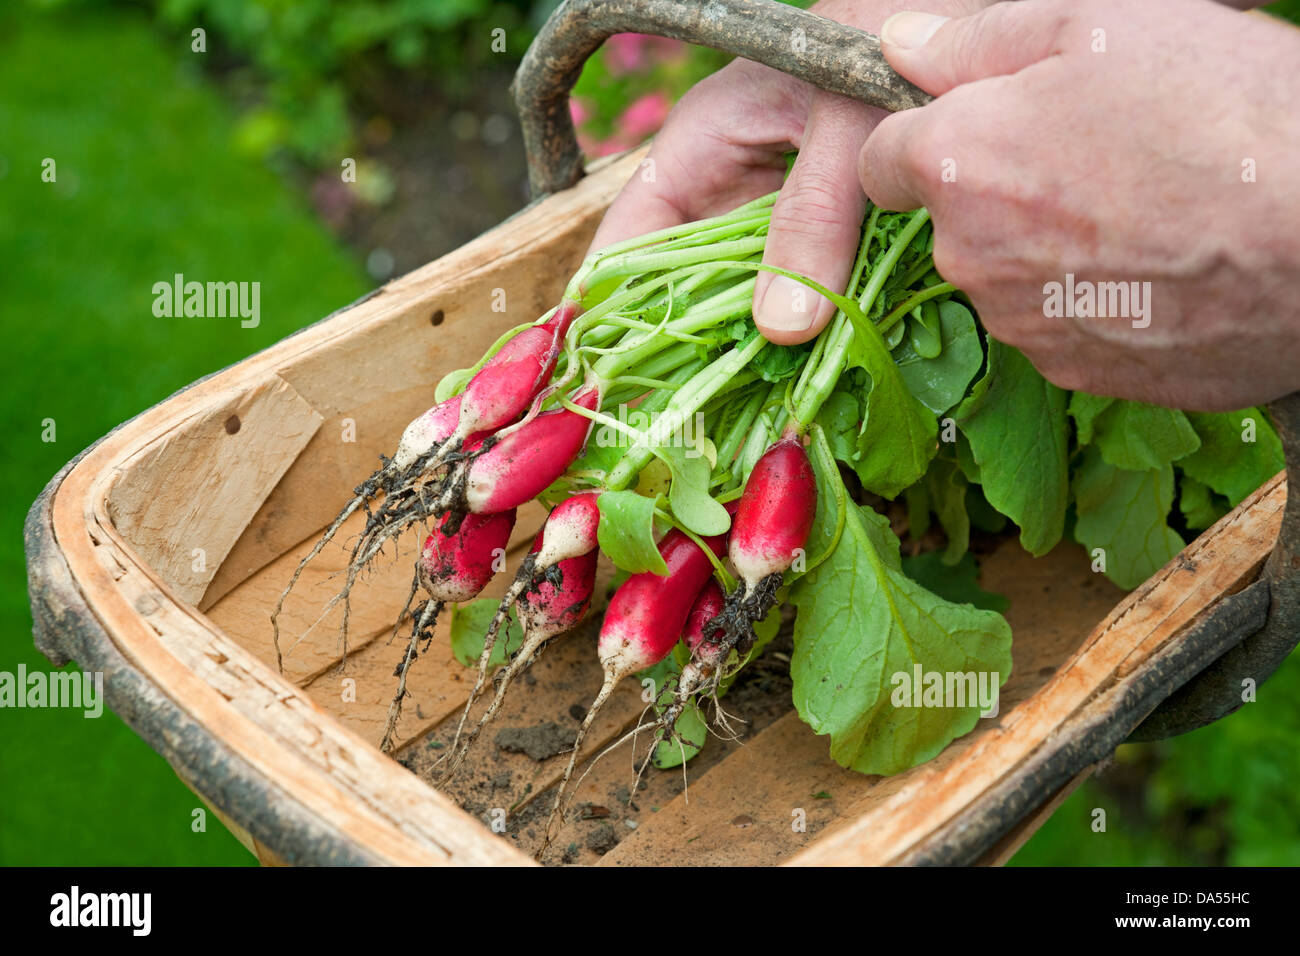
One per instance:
(954, 265)
(966, 49)
(816, 204)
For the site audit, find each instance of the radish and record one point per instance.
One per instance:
(644, 620)
(503, 388)
(453, 567)
(565, 542)
(770, 524)
(426, 434)
(701, 637)
(434, 427)
(546, 610)
(518, 464)
(770, 528)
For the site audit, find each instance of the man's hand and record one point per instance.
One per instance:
(1150, 142)
(725, 144)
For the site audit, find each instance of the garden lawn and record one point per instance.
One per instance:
(149, 184)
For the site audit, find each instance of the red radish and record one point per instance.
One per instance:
(644, 620)
(700, 637)
(503, 388)
(545, 611)
(570, 530)
(707, 642)
(526, 460)
(770, 524)
(555, 608)
(770, 528)
(427, 432)
(776, 512)
(452, 567)
(568, 536)
(456, 567)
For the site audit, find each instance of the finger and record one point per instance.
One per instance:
(641, 206)
(816, 225)
(894, 167)
(937, 53)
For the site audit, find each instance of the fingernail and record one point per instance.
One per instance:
(788, 306)
(910, 29)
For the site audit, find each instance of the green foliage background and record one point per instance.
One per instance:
(155, 176)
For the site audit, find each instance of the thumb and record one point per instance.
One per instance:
(816, 225)
(937, 53)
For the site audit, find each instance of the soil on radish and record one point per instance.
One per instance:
(604, 810)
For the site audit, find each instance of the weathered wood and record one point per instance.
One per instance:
(189, 500)
(827, 54)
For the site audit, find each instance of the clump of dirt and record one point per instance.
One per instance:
(540, 742)
(602, 839)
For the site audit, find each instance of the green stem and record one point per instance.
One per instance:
(685, 402)
(706, 231)
(910, 303)
(728, 582)
(822, 454)
(731, 442)
(834, 358)
(656, 261)
(705, 315)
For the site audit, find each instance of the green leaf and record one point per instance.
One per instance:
(1139, 437)
(917, 499)
(966, 460)
(776, 362)
(691, 726)
(1200, 506)
(862, 622)
(946, 486)
(897, 438)
(1018, 436)
(469, 624)
(841, 417)
(1124, 513)
(1084, 409)
(939, 383)
(982, 514)
(627, 533)
(1226, 461)
(689, 496)
(924, 332)
(958, 583)
(453, 383)
(692, 731)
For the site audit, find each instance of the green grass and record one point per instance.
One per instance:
(149, 183)
(1222, 795)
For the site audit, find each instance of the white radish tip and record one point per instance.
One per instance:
(620, 656)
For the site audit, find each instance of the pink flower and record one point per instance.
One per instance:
(578, 110)
(625, 52)
(644, 116)
(633, 52)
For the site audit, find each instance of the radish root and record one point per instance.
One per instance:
(423, 628)
(611, 681)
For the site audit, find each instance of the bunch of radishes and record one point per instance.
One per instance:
(661, 323)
